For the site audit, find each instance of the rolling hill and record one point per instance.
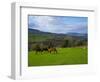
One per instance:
(39, 35)
(57, 40)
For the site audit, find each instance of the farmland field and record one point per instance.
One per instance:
(64, 56)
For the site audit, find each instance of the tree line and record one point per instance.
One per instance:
(60, 43)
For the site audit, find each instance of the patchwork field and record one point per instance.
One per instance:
(64, 56)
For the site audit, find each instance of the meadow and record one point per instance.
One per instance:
(64, 56)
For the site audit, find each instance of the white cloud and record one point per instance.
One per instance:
(47, 24)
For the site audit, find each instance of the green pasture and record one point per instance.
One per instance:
(64, 56)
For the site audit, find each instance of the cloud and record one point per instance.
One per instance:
(56, 24)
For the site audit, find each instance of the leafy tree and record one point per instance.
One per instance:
(65, 43)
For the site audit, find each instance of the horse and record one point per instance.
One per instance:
(38, 50)
(52, 50)
(41, 49)
(45, 49)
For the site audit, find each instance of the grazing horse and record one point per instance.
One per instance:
(38, 50)
(52, 50)
(45, 49)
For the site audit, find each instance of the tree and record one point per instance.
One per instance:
(65, 43)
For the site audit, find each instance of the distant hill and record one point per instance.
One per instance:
(34, 31)
(77, 34)
(36, 36)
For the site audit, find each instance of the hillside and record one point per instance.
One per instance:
(36, 35)
(55, 40)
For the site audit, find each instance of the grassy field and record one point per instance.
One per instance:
(65, 56)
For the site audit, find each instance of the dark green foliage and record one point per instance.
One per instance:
(65, 43)
(54, 40)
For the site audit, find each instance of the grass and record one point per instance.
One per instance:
(65, 56)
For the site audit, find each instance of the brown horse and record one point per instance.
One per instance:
(52, 50)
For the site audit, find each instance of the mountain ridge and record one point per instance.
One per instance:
(34, 31)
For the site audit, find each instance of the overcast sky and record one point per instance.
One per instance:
(59, 24)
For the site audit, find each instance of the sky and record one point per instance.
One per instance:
(58, 24)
